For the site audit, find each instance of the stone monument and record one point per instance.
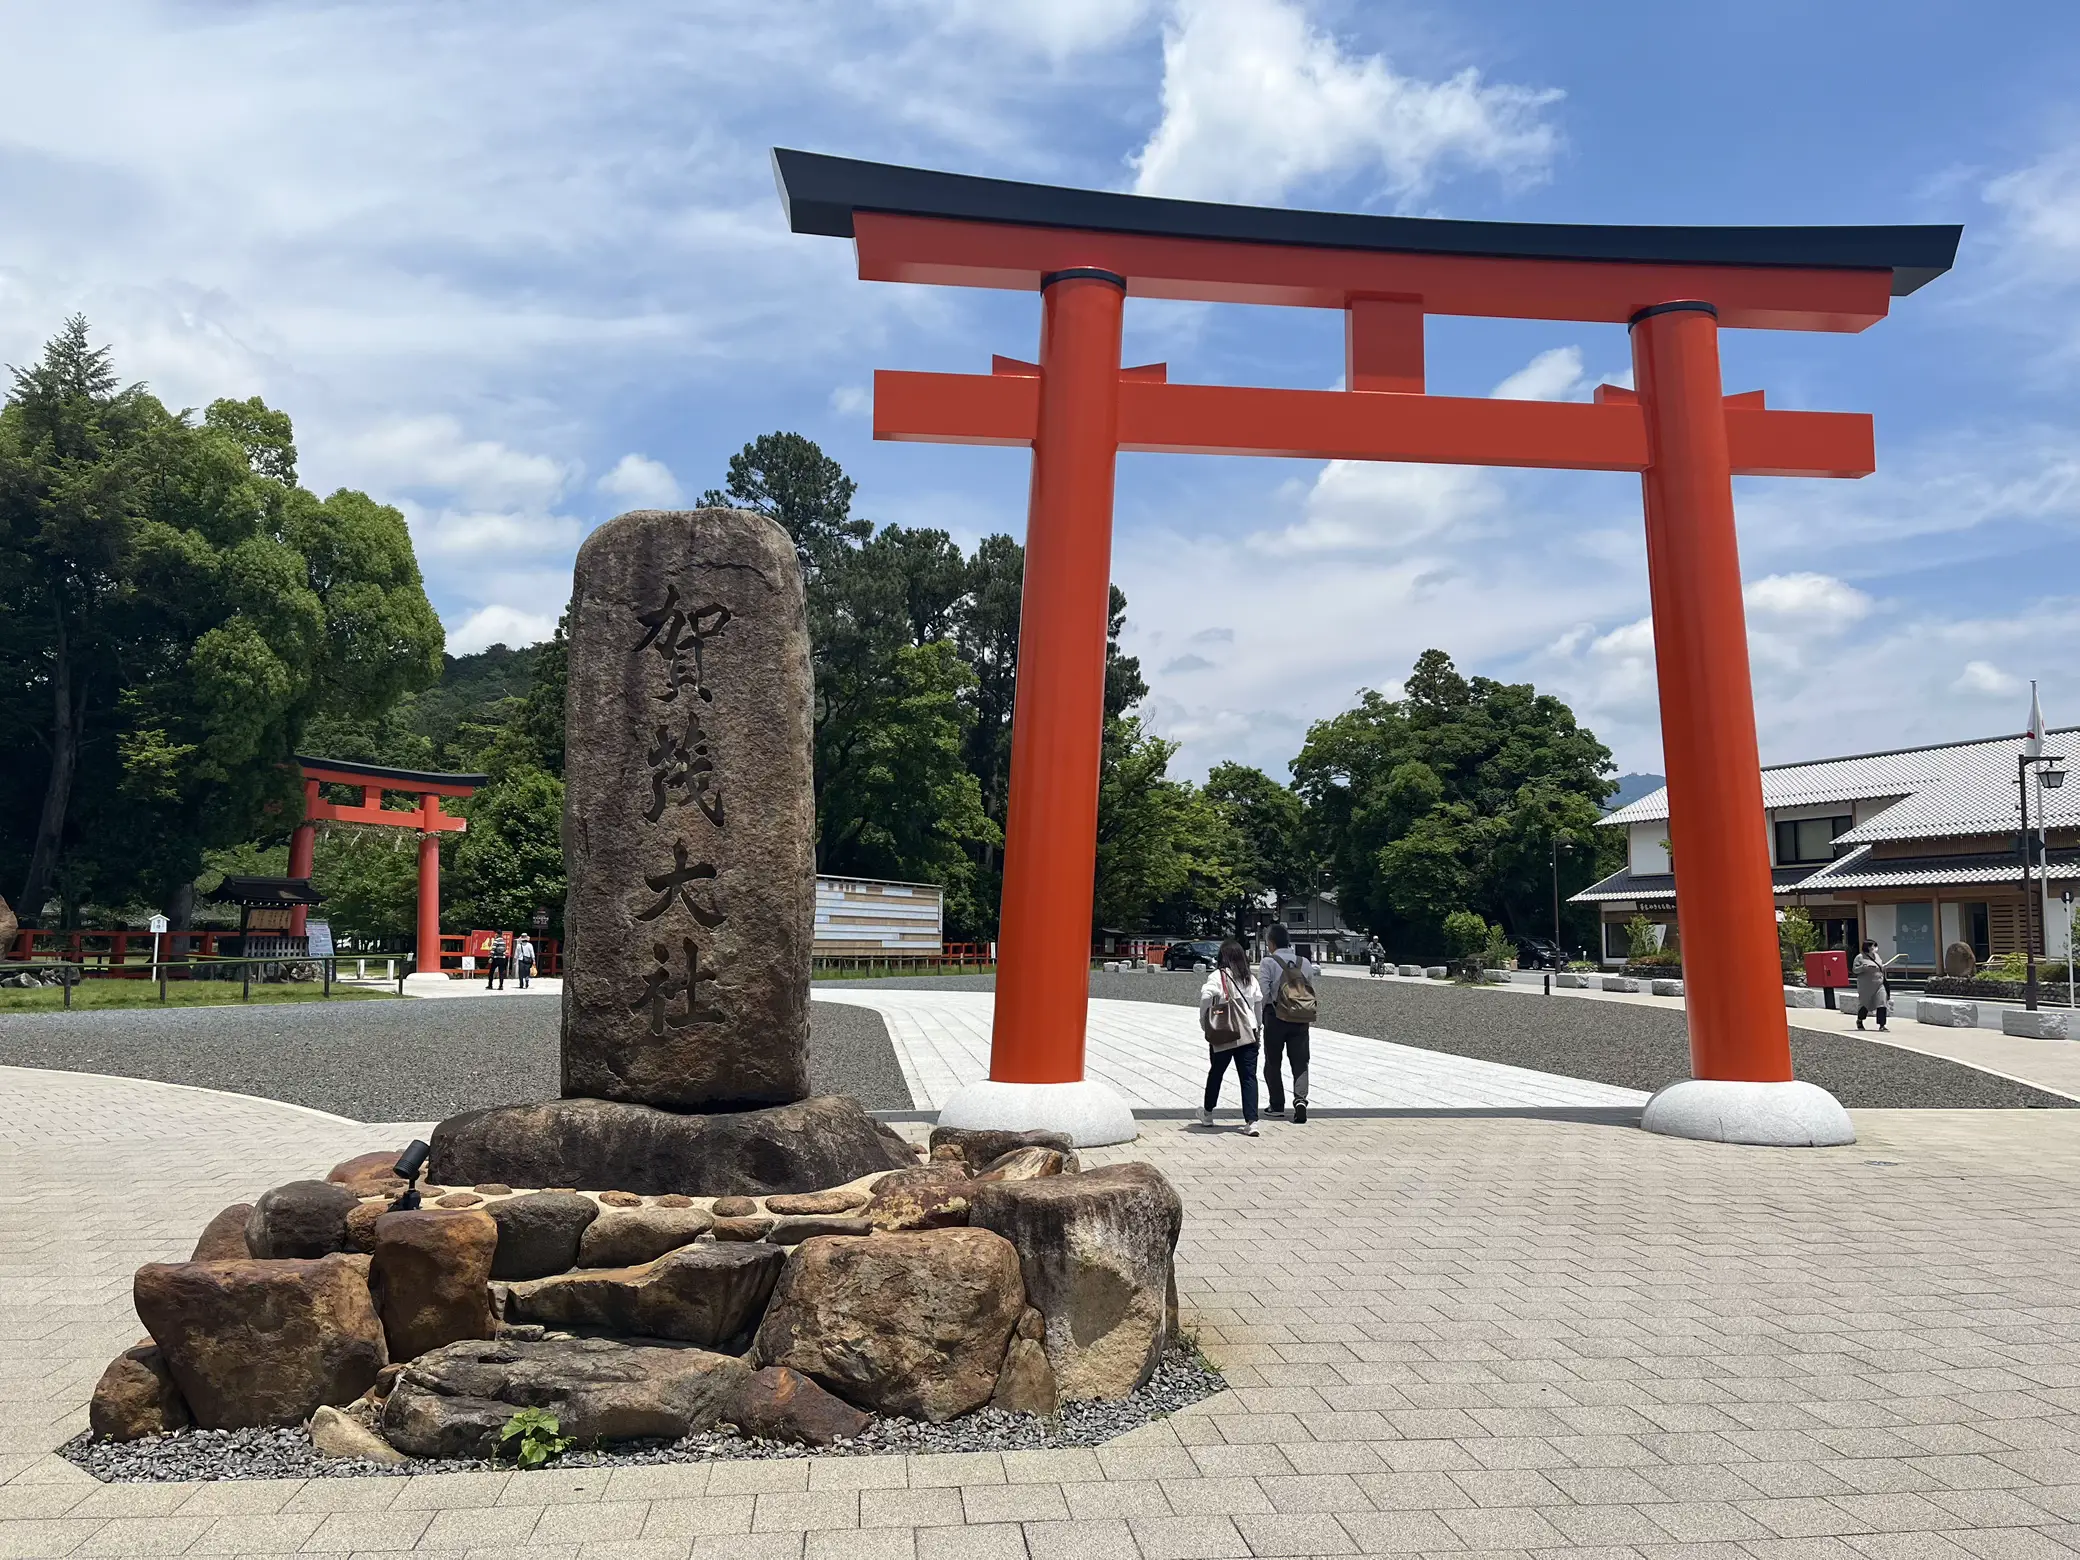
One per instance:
(689, 818)
(689, 835)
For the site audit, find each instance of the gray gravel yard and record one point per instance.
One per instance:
(407, 1060)
(1621, 1043)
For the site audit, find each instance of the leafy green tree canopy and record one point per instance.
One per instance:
(1451, 798)
(174, 609)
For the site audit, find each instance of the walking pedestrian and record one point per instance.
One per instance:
(1228, 1018)
(523, 959)
(1870, 983)
(1285, 982)
(495, 965)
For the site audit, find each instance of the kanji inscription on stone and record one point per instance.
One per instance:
(689, 922)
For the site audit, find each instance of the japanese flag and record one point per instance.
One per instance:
(2033, 738)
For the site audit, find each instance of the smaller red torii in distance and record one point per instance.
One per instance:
(372, 780)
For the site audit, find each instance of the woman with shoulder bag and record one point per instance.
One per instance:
(1228, 1018)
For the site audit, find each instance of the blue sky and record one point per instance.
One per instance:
(518, 267)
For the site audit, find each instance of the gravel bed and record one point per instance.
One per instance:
(1183, 1378)
(1629, 1045)
(410, 1060)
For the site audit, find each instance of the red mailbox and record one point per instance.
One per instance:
(1827, 969)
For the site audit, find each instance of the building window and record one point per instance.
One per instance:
(1837, 932)
(1808, 839)
(1978, 931)
(1298, 915)
(1617, 941)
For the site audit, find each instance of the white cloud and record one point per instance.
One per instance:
(2040, 205)
(1551, 376)
(1377, 506)
(500, 625)
(642, 483)
(1257, 103)
(1983, 677)
(1056, 28)
(432, 453)
(852, 401)
(1817, 601)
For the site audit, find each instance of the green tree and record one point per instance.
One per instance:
(904, 804)
(787, 478)
(1450, 797)
(1270, 823)
(509, 862)
(174, 610)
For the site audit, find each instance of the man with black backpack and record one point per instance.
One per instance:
(1287, 981)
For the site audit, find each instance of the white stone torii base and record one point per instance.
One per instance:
(1772, 1115)
(1087, 1113)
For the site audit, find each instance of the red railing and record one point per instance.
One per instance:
(548, 953)
(116, 948)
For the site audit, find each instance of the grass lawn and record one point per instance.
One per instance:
(887, 972)
(182, 993)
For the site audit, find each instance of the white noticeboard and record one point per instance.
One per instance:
(320, 933)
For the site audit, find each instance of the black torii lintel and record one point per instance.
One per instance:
(821, 193)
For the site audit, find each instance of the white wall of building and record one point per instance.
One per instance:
(1649, 847)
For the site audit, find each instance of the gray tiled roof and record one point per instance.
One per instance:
(1657, 887)
(1953, 789)
(1859, 869)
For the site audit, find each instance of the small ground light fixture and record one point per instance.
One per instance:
(409, 1164)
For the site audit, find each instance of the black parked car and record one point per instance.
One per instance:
(1191, 955)
(1539, 953)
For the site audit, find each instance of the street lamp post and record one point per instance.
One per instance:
(1556, 892)
(2032, 908)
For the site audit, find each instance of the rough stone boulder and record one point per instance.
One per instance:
(136, 1397)
(1026, 1384)
(843, 1200)
(1029, 1164)
(335, 1432)
(712, 1295)
(980, 1147)
(734, 1207)
(263, 1343)
(1094, 1250)
(793, 1230)
(431, 1278)
(538, 1234)
(366, 1174)
(912, 1324)
(778, 1404)
(452, 1402)
(361, 1223)
(302, 1219)
(623, 1237)
(223, 1239)
(755, 1226)
(929, 1197)
(802, 1147)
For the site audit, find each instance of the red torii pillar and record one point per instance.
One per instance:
(372, 780)
(1076, 408)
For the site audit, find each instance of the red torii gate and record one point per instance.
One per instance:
(372, 780)
(1086, 251)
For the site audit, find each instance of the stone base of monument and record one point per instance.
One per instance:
(999, 1274)
(1087, 1113)
(1772, 1115)
(797, 1147)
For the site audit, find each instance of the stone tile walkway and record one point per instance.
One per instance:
(1446, 1336)
(1154, 1056)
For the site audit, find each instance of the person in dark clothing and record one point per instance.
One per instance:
(1287, 980)
(495, 966)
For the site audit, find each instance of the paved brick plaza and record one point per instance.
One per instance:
(1445, 1335)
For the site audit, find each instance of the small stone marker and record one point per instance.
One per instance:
(689, 819)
